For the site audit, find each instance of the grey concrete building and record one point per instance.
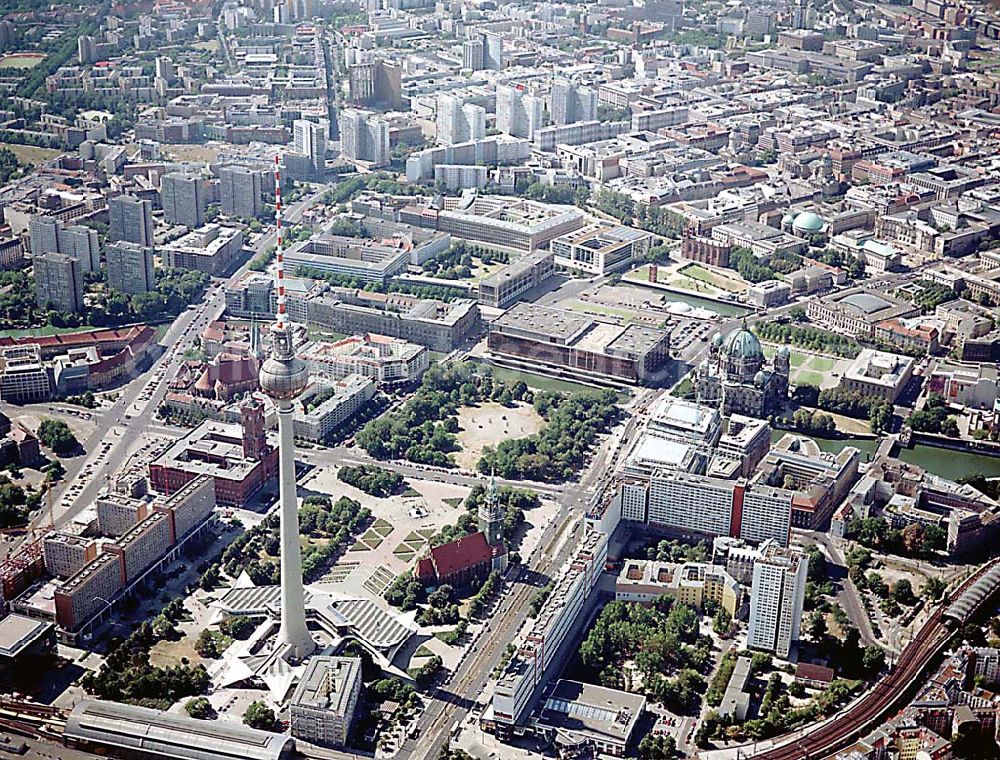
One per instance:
(130, 268)
(241, 191)
(58, 282)
(130, 219)
(324, 702)
(184, 199)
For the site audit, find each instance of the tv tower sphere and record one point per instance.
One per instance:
(283, 375)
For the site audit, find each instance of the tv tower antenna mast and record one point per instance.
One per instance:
(283, 377)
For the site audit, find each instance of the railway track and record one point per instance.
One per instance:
(884, 697)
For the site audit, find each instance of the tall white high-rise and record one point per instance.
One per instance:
(459, 122)
(776, 599)
(283, 377)
(309, 140)
(570, 102)
(518, 113)
(364, 136)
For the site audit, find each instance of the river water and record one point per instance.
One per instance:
(944, 462)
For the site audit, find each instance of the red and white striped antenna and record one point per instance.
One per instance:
(280, 250)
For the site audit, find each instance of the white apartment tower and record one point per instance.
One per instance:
(459, 122)
(571, 102)
(776, 598)
(472, 53)
(309, 139)
(518, 113)
(364, 137)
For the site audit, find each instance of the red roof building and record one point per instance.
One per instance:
(460, 561)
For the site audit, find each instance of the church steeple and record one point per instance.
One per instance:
(490, 513)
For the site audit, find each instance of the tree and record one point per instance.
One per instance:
(817, 626)
(934, 588)
(913, 536)
(200, 708)
(872, 660)
(238, 626)
(653, 747)
(258, 715)
(57, 436)
(902, 592)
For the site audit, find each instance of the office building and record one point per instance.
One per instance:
(509, 223)
(130, 268)
(27, 647)
(579, 344)
(309, 140)
(23, 376)
(518, 113)
(241, 191)
(387, 361)
(213, 248)
(130, 219)
(58, 282)
(323, 704)
(776, 598)
(600, 248)
(88, 591)
(352, 257)
(505, 287)
(571, 102)
(118, 513)
(184, 199)
(459, 122)
(328, 404)
(364, 136)
(580, 715)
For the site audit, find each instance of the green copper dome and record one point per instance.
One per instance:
(742, 344)
(808, 222)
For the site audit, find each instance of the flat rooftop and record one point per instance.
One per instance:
(592, 711)
(18, 632)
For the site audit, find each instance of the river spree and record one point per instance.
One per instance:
(944, 462)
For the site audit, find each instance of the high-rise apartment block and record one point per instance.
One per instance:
(364, 137)
(58, 282)
(776, 598)
(130, 219)
(241, 191)
(184, 199)
(309, 140)
(130, 268)
(518, 113)
(49, 235)
(571, 102)
(493, 52)
(473, 51)
(459, 122)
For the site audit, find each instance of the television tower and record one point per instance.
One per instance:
(283, 377)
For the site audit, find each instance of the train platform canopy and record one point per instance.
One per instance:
(156, 734)
(973, 597)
